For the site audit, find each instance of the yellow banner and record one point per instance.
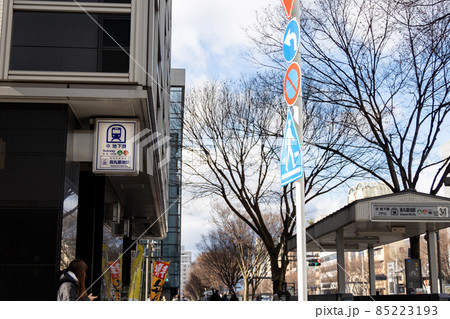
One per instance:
(160, 270)
(105, 271)
(136, 274)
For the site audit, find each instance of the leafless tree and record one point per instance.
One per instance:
(251, 255)
(196, 283)
(390, 76)
(436, 10)
(232, 133)
(357, 275)
(194, 288)
(230, 154)
(370, 61)
(325, 171)
(383, 67)
(218, 259)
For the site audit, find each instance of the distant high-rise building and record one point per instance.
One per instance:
(186, 263)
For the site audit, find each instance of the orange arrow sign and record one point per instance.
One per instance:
(288, 5)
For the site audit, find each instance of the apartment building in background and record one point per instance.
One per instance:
(186, 264)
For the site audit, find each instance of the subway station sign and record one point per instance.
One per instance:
(410, 212)
(115, 147)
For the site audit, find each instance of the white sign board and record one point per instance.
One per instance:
(115, 147)
(410, 212)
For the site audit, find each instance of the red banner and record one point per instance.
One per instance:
(115, 280)
(160, 269)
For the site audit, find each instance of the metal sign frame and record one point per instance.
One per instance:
(116, 147)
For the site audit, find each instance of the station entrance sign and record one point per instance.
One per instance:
(291, 153)
(410, 212)
(115, 149)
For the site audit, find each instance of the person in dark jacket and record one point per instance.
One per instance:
(215, 296)
(72, 283)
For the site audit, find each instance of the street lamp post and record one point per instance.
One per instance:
(149, 264)
(300, 189)
(146, 270)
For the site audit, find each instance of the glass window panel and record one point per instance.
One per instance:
(71, 42)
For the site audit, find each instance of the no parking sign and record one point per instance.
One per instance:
(292, 83)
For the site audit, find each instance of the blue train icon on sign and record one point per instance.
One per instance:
(116, 134)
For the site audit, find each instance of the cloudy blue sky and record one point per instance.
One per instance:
(209, 41)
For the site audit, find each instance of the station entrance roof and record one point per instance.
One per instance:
(380, 220)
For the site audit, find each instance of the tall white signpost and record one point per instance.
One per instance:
(291, 155)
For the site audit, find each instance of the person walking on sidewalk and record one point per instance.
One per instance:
(215, 296)
(72, 283)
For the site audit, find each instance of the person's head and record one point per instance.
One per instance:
(79, 268)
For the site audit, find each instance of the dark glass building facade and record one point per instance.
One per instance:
(170, 247)
(64, 65)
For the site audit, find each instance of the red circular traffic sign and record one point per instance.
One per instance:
(292, 83)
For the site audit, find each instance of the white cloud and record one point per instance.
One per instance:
(194, 222)
(326, 204)
(208, 36)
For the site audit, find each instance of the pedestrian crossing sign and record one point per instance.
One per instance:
(291, 153)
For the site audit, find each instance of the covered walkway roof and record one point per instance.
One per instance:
(376, 221)
(380, 220)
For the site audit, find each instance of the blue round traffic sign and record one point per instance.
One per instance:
(291, 40)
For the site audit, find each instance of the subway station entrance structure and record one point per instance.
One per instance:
(367, 223)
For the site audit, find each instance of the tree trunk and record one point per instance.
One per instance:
(276, 276)
(278, 272)
(252, 285)
(245, 288)
(255, 284)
